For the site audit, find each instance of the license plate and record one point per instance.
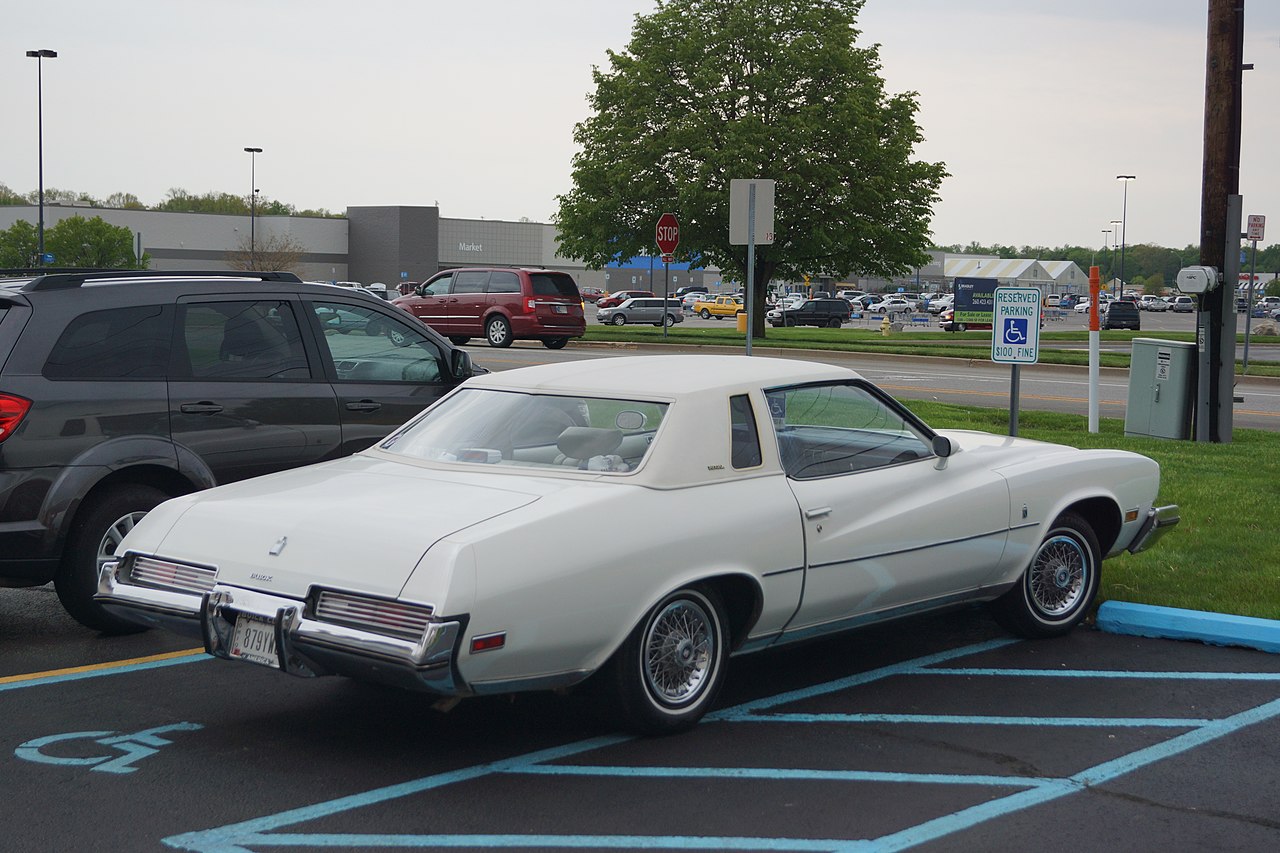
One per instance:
(254, 640)
(560, 309)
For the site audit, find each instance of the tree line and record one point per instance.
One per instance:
(177, 200)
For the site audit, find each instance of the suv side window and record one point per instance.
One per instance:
(366, 346)
(470, 281)
(504, 282)
(243, 340)
(119, 343)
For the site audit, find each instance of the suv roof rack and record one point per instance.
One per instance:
(59, 281)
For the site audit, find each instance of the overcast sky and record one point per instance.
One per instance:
(1034, 107)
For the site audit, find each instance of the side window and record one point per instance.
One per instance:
(243, 340)
(826, 430)
(470, 281)
(120, 343)
(439, 287)
(744, 439)
(504, 282)
(365, 345)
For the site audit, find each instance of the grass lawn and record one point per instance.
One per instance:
(1224, 556)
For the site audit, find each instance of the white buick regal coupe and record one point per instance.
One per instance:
(463, 555)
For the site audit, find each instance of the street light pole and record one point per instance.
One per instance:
(39, 56)
(1115, 242)
(1124, 214)
(1106, 240)
(253, 206)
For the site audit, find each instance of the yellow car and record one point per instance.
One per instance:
(720, 307)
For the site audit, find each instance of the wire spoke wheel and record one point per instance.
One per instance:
(1058, 586)
(669, 671)
(1056, 579)
(678, 652)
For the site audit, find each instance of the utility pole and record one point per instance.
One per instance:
(1220, 214)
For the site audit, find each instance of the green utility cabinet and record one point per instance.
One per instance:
(1162, 383)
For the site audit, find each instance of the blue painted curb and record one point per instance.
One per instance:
(1216, 629)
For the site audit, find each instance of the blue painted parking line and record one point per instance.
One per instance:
(99, 671)
(1005, 794)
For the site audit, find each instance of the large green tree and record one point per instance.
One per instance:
(712, 90)
(80, 242)
(18, 245)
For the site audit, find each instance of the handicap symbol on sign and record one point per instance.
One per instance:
(135, 747)
(1015, 330)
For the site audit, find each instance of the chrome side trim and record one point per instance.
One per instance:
(926, 547)
(1159, 521)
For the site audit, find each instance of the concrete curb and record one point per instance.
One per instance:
(1215, 629)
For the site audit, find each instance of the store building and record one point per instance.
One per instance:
(372, 244)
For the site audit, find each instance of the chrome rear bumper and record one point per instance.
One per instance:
(1159, 521)
(304, 647)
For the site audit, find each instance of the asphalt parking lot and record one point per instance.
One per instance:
(940, 733)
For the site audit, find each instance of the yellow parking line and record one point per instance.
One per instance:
(32, 676)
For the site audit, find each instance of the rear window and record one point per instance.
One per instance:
(120, 343)
(553, 284)
(1123, 308)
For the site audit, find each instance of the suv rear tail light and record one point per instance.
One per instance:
(530, 305)
(12, 410)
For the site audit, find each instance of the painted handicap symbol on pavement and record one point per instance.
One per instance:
(135, 747)
(1015, 330)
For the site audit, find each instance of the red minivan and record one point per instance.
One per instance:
(501, 305)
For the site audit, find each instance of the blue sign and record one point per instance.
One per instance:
(1017, 325)
(1244, 256)
(46, 258)
(1014, 331)
(403, 275)
(974, 299)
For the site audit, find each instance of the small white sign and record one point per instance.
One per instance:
(1257, 227)
(1163, 359)
(1015, 325)
(739, 218)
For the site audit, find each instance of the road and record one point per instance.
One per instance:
(976, 383)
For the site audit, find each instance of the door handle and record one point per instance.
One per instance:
(817, 512)
(364, 406)
(202, 408)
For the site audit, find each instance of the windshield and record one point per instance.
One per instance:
(544, 431)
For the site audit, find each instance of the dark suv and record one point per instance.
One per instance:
(501, 305)
(121, 390)
(814, 312)
(1121, 314)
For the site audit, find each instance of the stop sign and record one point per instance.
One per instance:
(667, 233)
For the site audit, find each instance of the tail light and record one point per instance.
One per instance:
(530, 305)
(12, 410)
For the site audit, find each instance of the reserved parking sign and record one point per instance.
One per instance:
(1015, 326)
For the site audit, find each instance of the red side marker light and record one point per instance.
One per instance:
(488, 642)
